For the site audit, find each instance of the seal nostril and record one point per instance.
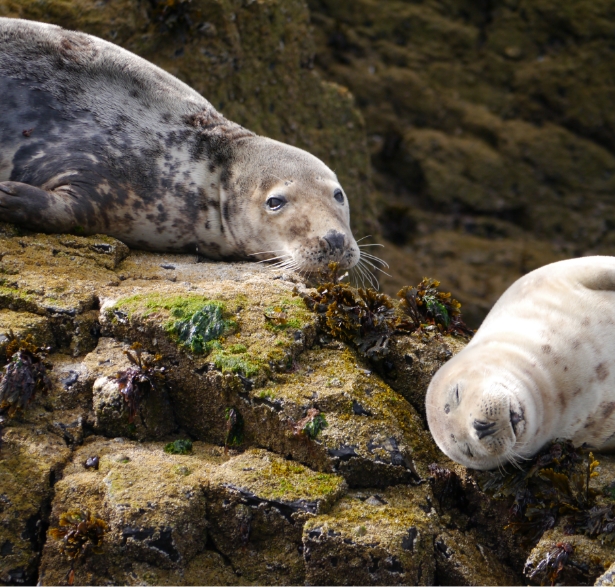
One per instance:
(484, 428)
(514, 420)
(335, 239)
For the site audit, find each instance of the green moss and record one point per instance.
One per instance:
(237, 349)
(266, 394)
(234, 363)
(285, 316)
(315, 425)
(288, 480)
(197, 329)
(179, 447)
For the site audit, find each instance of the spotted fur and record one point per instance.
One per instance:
(541, 367)
(94, 139)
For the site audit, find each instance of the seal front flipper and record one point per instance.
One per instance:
(35, 208)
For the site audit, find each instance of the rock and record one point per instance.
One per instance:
(373, 539)
(588, 559)
(154, 416)
(283, 421)
(258, 504)
(461, 559)
(413, 360)
(152, 502)
(30, 461)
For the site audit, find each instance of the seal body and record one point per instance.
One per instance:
(540, 367)
(94, 139)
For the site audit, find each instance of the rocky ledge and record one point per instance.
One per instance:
(193, 424)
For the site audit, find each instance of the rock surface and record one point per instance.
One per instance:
(260, 497)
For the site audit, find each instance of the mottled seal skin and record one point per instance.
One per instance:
(94, 139)
(540, 367)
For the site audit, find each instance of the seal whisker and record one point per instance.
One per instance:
(264, 252)
(375, 259)
(374, 266)
(371, 245)
(373, 280)
(364, 275)
(281, 264)
(363, 238)
(285, 259)
(359, 275)
(271, 259)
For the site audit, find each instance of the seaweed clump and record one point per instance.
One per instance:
(367, 319)
(311, 425)
(425, 305)
(135, 382)
(552, 485)
(24, 375)
(81, 533)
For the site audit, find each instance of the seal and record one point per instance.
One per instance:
(540, 367)
(94, 139)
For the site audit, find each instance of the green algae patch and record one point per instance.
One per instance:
(194, 321)
(198, 329)
(231, 326)
(179, 447)
(272, 478)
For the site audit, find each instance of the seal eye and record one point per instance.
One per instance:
(339, 196)
(276, 202)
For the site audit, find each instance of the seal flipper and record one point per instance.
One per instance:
(35, 208)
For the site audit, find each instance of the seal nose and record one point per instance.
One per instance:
(335, 239)
(484, 428)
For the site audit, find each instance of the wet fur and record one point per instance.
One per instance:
(541, 366)
(94, 139)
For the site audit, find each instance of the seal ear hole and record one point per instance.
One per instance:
(456, 394)
(275, 203)
(339, 196)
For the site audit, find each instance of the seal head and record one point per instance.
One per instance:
(478, 414)
(539, 368)
(292, 207)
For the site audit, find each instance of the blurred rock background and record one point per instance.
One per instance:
(476, 139)
(490, 127)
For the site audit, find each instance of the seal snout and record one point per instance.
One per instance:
(484, 428)
(335, 240)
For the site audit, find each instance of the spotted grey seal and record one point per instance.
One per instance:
(540, 367)
(94, 139)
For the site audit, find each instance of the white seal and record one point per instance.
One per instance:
(540, 367)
